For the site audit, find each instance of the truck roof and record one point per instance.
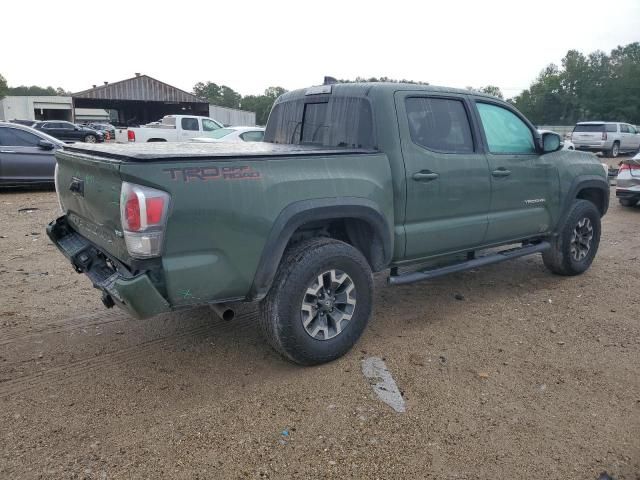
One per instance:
(201, 151)
(367, 88)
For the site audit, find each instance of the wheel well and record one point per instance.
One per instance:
(595, 196)
(156, 140)
(355, 231)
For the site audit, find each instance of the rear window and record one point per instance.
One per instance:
(334, 122)
(592, 128)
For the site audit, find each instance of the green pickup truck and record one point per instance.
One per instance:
(352, 179)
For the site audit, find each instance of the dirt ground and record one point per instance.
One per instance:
(508, 372)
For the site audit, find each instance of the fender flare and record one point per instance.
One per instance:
(579, 183)
(297, 214)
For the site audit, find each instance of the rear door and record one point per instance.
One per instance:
(190, 128)
(447, 176)
(625, 137)
(634, 138)
(22, 160)
(524, 184)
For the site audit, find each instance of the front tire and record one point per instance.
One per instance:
(576, 245)
(90, 139)
(320, 301)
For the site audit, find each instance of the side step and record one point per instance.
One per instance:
(498, 257)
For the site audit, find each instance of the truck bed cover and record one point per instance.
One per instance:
(158, 151)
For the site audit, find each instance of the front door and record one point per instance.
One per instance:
(22, 160)
(523, 182)
(447, 177)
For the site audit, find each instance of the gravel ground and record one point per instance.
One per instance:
(506, 372)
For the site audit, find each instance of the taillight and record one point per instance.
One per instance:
(143, 214)
(131, 135)
(604, 135)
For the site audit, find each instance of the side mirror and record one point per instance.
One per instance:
(551, 142)
(46, 145)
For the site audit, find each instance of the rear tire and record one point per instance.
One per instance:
(615, 150)
(576, 245)
(320, 301)
(628, 202)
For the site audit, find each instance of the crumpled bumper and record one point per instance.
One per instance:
(135, 293)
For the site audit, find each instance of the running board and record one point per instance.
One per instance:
(498, 257)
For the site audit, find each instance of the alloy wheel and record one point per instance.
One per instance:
(581, 239)
(328, 304)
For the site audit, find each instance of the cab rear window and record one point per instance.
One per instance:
(334, 122)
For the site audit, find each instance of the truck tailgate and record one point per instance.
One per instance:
(89, 191)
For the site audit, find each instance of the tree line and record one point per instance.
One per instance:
(597, 86)
(33, 90)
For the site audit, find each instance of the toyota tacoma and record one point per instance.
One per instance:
(352, 179)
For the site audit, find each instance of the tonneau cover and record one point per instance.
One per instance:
(141, 152)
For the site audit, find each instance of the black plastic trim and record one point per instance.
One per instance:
(579, 183)
(305, 211)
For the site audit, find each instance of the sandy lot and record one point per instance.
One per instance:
(528, 376)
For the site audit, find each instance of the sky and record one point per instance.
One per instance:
(251, 45)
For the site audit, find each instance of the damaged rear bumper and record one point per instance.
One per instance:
(134, 292)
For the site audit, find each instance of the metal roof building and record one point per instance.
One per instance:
(141, 99)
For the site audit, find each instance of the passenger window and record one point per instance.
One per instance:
(632, 129)
(252, 136)
(12, 137)
(612, 127)
(208, 125)
(190, 124)
(439, 124)
(624, 129)
(505, 131)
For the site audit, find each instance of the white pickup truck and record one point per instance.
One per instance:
(172, 128)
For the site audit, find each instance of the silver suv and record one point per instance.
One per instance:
(611, 138)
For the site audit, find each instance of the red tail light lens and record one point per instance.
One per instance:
(604, 135)
(132, 214)
(155, 207)
(143, 213)
(131, 135)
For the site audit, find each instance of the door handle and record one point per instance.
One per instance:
(7, 151)
(425, 176)
(501, 172)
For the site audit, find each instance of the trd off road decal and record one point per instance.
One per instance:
(191, 174)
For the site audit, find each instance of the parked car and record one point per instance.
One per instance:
(27, 156)
(233, 134)
(628, 182)
(172, 128)
(108, 130)
(566, 143)
(69, 132)
(611, 138)
(334, 193)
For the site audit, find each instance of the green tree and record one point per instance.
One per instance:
(34, 90)
(217, 94)
(3, 86)
(261, 104)
(597, 86)
(489, 90)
